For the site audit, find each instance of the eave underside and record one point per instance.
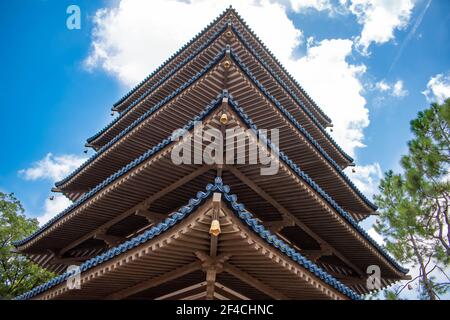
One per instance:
(111, 219)
(186, 262)
(173, 115)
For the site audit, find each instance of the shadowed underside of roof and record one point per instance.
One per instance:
(177, 218)
(277, 106)
(282, 156)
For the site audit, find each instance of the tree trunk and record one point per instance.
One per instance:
(425, 280)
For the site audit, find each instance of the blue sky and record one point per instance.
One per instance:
(368, 73)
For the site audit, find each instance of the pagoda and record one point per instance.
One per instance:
(142, 226)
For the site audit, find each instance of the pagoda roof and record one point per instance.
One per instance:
(186, 60)
(177, 218)
(262, 89)
(145, 116)
(226, 14)
(295, 169)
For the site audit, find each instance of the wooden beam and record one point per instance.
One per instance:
(290, 216)
(70, 260)
(236, 294)
(216, 204)
(245, 277)
(277, 226)
(142, 205)
(110, 240)
(208, 261)
(212, 265)
(316, 254)
(187, 289)
(152, 217)
(153, 282)
(210, 282)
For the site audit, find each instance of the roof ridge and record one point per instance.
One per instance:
(290, 77)
(196, 52)
(176, 217)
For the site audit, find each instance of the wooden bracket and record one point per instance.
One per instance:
(110, 240)
(315, 255)
(211, 266)
(277, 226)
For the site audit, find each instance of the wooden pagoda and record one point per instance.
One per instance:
(142, 227)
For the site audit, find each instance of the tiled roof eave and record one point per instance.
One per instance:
(208, 67)
(244, 117)
(237, 208)
(291, 94)
(176, 68)
(144, 116)
(319, 110)
(304, 132)
(328, 199)
(251, 125)
(146, 155)
(171, 58)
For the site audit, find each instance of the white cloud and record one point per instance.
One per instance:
(396, 89)
(335, 84)
(320, 5)
(376, 236)
(52, 167)
(53, 207)
(382, 86)
(366, 178)
(133, 38)
(380, 18)
(438, 88)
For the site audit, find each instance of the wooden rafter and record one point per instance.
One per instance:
(245, 277)
(177, 273)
